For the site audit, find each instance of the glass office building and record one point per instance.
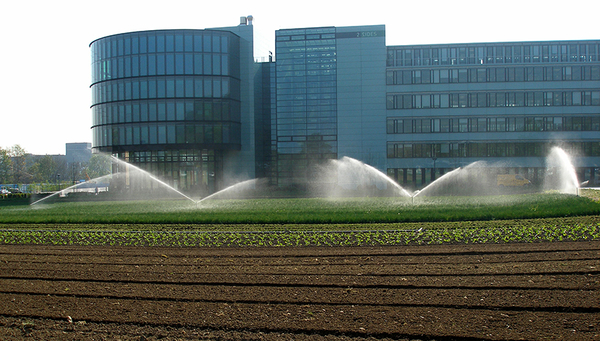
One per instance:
(505, 103)
(198, 110)
(329, 91)
(170, 102)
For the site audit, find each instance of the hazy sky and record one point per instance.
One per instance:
(45, 59)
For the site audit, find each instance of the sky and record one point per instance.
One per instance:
(45, 57)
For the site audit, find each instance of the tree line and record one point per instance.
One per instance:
(17, 166)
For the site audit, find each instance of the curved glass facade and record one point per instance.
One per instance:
(161, 96)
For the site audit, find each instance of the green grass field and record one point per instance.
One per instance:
(303, 211)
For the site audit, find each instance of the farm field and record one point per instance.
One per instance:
(461, 268)
(506, 291)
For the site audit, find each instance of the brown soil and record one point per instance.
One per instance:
(449, 292)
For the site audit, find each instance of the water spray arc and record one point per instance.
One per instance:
(98, 180)
(348, 176)
(145, 173)
(348, 173)
(102, 181)
(240, 186)
(473, 179)
(561, 174)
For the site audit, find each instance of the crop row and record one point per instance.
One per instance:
(523, 234)
(304, 211)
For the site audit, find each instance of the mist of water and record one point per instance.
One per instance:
(96, 185)
(348, 176)
(560, 172)
(140, 173)
(115, 183)
(450, 176)
(233, 190)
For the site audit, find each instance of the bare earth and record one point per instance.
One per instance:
(449, 292)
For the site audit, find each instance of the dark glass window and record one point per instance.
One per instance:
(160, 64)
(179, 43)
(170, 43)
(160, 43)
(207, 46)
(189, 64)
(170, 64)
(207, 64)
(179, 64)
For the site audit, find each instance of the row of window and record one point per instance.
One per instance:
(317, 74)
(309, 147)
(492, 124)
(290, 132)
(410, 177)
(302, 31)
(493, 99)
(312, 96)
(162, 87)
(493, 54)
(486, 149)
(164, 64)
(183, 169)
(170, 133)
(160, 111)
(317, 83)
(183, 155)
(305, 37)
(314, 64)
(305, 48)
(168, 41)
(302, 132)
(306, 87)
(309, 44)
(497, 74)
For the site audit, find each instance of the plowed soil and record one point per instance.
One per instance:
(448, 292)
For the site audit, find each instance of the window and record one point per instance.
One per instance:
(444, 76)
(463, 125)
(462, 75)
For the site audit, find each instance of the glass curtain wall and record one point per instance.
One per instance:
(169, 102)
(306, 127)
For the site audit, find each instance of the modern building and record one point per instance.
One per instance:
(197, 108)
(177, 103)
(504, 103)
(78, 152)
(330, 99)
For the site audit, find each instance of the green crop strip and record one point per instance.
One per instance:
(303, 211)
(543, 230)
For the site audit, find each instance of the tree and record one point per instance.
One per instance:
(99, 165)
(6, 166)
(19, 163)
(44, 169)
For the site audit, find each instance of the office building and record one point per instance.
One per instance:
(177, 103)
(197, 108)
(330, 99)
(78, 152)
(504, 103)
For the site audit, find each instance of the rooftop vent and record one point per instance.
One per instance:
(246, 20)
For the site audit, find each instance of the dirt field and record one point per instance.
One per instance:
(452, 292)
